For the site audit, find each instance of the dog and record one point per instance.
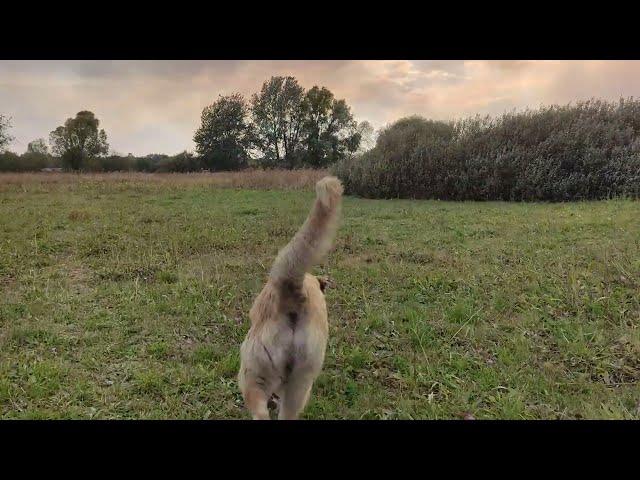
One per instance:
(283, 352)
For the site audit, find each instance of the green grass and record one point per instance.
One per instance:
(131, 301)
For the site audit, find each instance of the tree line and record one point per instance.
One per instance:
(281, 126)
(587, 150)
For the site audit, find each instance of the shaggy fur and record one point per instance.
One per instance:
(284, 349)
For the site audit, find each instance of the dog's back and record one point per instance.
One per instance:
(284, 349)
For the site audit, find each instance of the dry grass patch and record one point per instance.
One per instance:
(250, 179)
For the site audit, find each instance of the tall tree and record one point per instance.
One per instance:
(278, 114)
(225, 136)
(38, 146)
(5, 138)
(330, 132)
(36, 156)
(79, 140)
(367, 136)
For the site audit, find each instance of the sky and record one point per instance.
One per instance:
(155, 106)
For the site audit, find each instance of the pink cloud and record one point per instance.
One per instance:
(155, 106)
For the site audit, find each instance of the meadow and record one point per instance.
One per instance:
(125, 296)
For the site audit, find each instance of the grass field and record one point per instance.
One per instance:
(129, 299)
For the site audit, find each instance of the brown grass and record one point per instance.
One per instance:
(251, 179)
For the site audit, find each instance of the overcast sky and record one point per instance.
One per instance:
(155, 106)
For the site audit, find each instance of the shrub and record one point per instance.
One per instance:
(590, 150)
(9, 162)
(183, 162)
(28, 161)
(112, 163)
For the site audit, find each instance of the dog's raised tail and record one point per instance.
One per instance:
(313, 240)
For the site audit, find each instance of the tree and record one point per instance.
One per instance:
(330, 132)
(5, 138)
(36, 157)
(278, 115)
(79, 140)
(38, 146)
(367, 136)
(225, 135)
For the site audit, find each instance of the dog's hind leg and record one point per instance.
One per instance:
(295, 397)
(256, 401)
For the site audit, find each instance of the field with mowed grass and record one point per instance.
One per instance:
(127, 297)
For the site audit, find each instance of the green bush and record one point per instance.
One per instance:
(183, 162)
(590, 150)
(34, 161)
(149, 163)
(115, 163)
(27, 162)
(9, 162)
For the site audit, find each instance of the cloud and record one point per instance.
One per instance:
(155, 106)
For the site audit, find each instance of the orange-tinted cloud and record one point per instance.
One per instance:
(155, 106)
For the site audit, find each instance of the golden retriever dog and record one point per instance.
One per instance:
(283, 351)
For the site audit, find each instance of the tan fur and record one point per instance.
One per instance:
(283, 351)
